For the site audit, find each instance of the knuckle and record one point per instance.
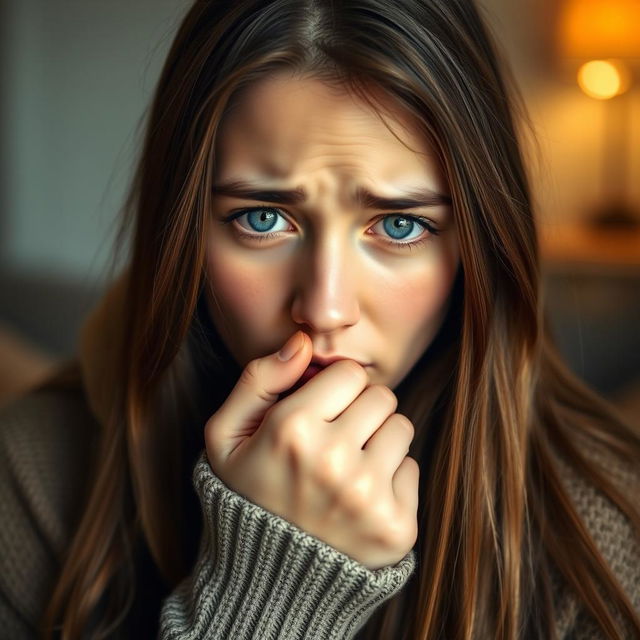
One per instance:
(288, 433)
(328, 471)
(249, 374)
(385, 392)
(403, 422)
(250, 378)
(355, 497)
(412, 463)
(355, 370)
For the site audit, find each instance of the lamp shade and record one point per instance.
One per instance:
(599, 29)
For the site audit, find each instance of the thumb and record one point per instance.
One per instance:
(257, 390)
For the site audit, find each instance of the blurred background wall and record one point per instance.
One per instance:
(75, 79)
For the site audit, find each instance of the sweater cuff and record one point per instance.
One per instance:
(260, 576)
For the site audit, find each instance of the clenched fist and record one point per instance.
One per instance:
(331, 457)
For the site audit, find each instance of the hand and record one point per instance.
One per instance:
(330, 457)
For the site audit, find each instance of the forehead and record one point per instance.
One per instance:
(284, 122)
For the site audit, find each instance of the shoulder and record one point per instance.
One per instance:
(47, 440)
(615, 536)
(613, 533)
(46, 437)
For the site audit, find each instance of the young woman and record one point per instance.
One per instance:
(331, 321)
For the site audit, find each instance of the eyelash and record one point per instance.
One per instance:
(261, 237)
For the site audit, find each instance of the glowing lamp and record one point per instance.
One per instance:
(603, 79)
(602, 37)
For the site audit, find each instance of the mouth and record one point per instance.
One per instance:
(312, 370)
(325, 362)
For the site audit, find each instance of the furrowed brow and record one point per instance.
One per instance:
(247, 191)
(410, 200)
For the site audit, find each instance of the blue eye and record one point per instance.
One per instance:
(398, 225)
(404, 230)
(396, 230)
(261, 218)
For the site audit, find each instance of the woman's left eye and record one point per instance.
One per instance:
(404, 229)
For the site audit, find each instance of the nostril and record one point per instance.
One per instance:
(326, 309)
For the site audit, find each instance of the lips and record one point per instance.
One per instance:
(309, 372)
(318, 364)
(312, 370)
(321, 361)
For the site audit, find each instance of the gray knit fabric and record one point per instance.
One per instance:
(257, 576)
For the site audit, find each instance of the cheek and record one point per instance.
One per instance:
(414, 308)
(415, 299)
(415, 311)
(241, 289)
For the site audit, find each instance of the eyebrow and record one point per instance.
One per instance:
(410, 199)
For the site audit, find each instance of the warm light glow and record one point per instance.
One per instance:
(599, 29)
(603, 79)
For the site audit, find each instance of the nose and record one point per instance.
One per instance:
(326, 295)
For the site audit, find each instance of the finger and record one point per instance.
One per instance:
(256, 391)
(406, 485)
(331, 390)
(389, 445)
(366, 414)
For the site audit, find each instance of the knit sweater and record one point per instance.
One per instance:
(256, 575)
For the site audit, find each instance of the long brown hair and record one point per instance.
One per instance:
(496, 411)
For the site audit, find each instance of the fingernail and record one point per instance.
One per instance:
(291, 347)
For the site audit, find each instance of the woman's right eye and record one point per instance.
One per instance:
(263, 221)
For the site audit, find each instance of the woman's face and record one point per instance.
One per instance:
(300, 237)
